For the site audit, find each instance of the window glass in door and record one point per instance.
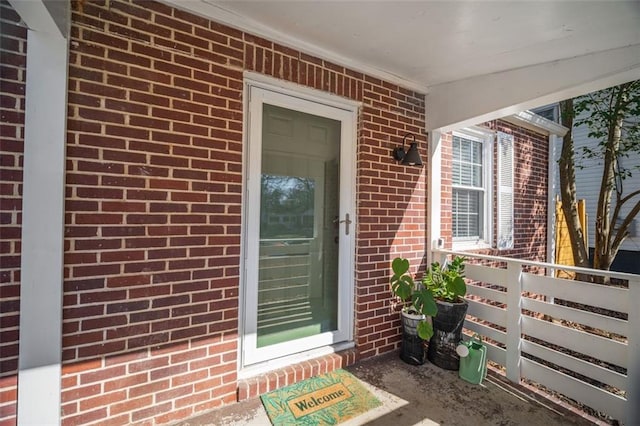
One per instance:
(299, 189)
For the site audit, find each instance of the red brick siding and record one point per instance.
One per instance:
(530, 192)
(152, 249)
(391, 210)
(13, 49)
(446, 183)
(250, 388)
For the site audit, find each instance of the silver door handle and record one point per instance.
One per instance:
(346, 222)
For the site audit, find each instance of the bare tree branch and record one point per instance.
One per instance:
(623, 231)
(629, 196)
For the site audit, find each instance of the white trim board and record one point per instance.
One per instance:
(41, 287)
(536, 123)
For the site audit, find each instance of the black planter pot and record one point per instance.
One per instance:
(412, 350)
(447, 333)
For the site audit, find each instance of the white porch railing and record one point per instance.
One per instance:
(589, 355)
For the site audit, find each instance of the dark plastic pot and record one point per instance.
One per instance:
(447, 333)
(412, 349)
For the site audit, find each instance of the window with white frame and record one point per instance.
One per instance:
(473, 189)
(471, 196)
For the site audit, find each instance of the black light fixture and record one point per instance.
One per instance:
(412, 156)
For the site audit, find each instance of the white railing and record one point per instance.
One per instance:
(538, 328)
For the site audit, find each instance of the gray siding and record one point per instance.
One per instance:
(588, 186)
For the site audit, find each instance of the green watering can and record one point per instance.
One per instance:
(473, 360)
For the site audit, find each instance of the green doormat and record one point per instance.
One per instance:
(324, 400)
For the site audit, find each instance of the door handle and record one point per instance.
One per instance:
(346, 222)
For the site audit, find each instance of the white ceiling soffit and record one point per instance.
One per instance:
(431, 45)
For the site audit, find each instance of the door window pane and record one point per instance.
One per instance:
(298, 257)
(287, 207)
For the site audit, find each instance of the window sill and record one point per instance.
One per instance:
(470, 245)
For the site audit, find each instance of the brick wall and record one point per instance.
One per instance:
(13, 48)
(153, 208)
(391, 210)
(153, 203)
(530, 192)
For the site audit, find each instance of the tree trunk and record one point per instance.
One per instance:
(604, 254)
(568, 188)
(568, 193)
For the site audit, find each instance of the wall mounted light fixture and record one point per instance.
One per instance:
(411, 156)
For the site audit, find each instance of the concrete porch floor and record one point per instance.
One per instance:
(424, 395)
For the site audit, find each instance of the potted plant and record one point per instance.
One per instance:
(419, 304)
(447, 286)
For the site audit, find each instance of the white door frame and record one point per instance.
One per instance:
(259, 89)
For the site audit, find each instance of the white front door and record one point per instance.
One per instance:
(299, 226)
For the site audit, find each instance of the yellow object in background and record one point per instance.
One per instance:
(564, 252)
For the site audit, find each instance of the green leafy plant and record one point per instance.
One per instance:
(446, 282)
(442, 282)
(420, 298)
(402, 283)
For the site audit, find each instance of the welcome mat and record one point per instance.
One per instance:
(323, 400)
